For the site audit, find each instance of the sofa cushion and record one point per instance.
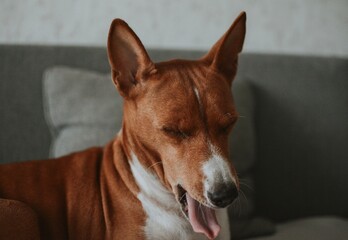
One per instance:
(254, 227)
(318, 228)
(83, 109)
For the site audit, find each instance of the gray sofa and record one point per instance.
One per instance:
(298, 123)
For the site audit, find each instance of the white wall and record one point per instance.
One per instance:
(316, 27)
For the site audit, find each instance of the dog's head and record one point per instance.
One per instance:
(180, 113)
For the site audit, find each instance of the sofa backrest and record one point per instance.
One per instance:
(21, 70)
(302, 134)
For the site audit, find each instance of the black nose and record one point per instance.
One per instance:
(224, 195)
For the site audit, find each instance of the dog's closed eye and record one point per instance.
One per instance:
(174, 132)
(227, 122)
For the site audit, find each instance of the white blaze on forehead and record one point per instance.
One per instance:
(216, 170)
(197, 94)
(199, 100)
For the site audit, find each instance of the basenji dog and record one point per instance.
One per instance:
(166, 175)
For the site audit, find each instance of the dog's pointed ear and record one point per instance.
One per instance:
(128, 58)
(223, 56)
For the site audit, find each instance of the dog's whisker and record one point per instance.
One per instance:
(200, 208)
(246, 185)
(243, 195)
(245, 198)
(244, 182)
(236, 205)
(182, 197)
(240, 201)
(156, 163)
(239, 207)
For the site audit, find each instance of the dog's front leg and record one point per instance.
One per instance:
(18, 221)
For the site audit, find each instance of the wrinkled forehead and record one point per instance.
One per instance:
(186, 88)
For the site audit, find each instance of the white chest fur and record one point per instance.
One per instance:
(164, 217)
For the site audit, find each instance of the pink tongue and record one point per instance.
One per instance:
(202, 218)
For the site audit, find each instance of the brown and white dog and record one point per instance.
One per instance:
(165, 176)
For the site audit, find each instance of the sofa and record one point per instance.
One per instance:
(290, 147)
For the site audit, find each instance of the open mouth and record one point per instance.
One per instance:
(202, 218)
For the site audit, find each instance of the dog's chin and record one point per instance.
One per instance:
(200, 215)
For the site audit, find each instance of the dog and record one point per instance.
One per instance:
(166, 175)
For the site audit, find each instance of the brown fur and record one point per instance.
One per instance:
(92, 194)
(76, 196)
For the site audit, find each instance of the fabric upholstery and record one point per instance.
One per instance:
(255, 227)
(318, 228)
(302, 133)
(83, 109)
(24, 132)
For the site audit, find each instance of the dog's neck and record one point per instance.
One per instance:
(144, 177)
(136, 153)
(147, 157)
